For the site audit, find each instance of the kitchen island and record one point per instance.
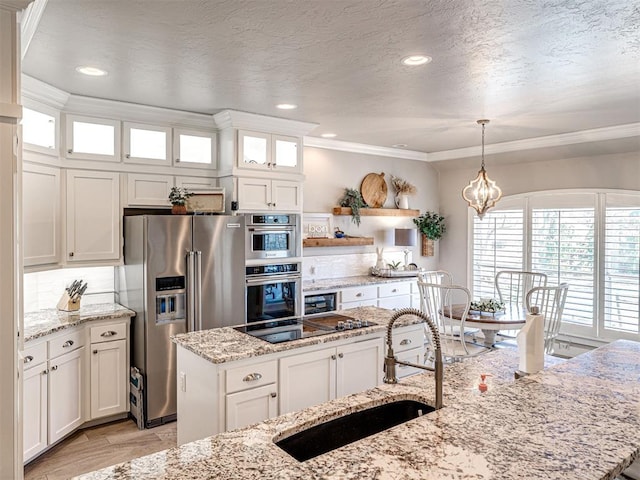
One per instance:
(576, 420)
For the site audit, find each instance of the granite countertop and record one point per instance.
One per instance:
(576, 420)
(221, 345)
(45, 322)
(346, 282)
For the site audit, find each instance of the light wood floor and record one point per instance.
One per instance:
(98, 447)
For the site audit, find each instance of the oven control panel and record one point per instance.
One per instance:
(273, 269)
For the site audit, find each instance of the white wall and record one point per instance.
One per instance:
(328, 173)
(620, 171)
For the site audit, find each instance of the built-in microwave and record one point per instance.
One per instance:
(320, 303)
(272, 236)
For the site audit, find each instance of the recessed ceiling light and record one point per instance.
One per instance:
(414, 60)
(328, 135)
(91, 71)
(399, 145)
(286, 106)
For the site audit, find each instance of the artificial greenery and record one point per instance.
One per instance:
(487, 305)
(394, 265)
(179, 195)
(431, 225)
(353, 199)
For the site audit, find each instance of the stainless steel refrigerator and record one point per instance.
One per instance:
(181, 273)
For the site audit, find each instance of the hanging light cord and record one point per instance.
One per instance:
(482, 165)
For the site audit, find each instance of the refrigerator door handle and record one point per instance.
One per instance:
(191, 288)
(198, 299)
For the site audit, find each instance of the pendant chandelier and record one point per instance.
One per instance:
(482, 193)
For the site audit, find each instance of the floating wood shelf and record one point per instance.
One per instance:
(337, 242)
(388, 212)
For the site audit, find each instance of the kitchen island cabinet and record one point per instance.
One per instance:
(575, 420)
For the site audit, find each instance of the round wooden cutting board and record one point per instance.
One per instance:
(374, 190)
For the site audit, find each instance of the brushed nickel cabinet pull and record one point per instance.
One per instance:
(406, 341)
(341, 355)
(274, 394)
(54, 368)
(71, 254)
(28, 359)
(45, 371)
(333, 357)
(252, 377)
(67, 344)
(70, 150)
(109, 333)
(95, 351)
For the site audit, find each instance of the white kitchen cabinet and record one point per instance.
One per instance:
(194, 149)
(148, 190)
(408, 346)
(394, 296)
(146, 144)
(34, 401)
(259, 194)
(41, 214)
(93, 216)
(109, 385)
(196, 183)
(90, 138)
(363, 296)
(65, 394)
(251, 406)
(264, 151)
(312, 378)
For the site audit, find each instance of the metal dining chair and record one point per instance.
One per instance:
(550, 301)
(512, 286)
(436, 300)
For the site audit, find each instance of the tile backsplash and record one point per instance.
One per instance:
(347, 265)
(42, 290)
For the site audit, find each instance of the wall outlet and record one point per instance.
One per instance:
(183, 381)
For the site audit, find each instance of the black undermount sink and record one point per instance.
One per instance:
(341, 431)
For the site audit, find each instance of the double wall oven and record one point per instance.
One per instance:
(273, 276)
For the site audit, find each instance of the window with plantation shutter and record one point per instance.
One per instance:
(563, 247)
(498, 241)
(622, 265)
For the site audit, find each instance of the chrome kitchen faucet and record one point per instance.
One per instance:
(390, 361)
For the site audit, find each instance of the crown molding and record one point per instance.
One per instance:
(14, 5)
(584, 136)
(29, 21)
(41, 92)
(254, 121)
(364, 149)
(136, 112)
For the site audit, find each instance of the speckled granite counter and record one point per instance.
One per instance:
(346, 282)
(577, 420)
(45, 322)
(226, 344)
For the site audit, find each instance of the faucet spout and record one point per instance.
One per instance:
(390, 361)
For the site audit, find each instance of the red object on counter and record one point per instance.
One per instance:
(482, 386)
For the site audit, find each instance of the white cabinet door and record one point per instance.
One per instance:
(251, 406)
(307, 379)
(109, 380)
(93, 216)
(196, 183)
(148, 190)
(34, 411)
(65, 394)
(194, 149)
(254, 150)
(148, 144)
(254, 194)
(286, 195)
(41, 214)
(92, 138)
(285, 154)
(359, 367)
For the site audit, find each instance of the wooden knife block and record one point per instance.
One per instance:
(67, 305)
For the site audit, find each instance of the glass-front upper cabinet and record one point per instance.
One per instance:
(195, 149)
(267, 151)
(147, 144)
(92, 138)
(39, 130)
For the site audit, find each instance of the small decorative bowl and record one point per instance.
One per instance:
(339, 233)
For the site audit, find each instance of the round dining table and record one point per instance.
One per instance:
(512, 318)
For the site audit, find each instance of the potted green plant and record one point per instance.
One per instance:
(353, 199)
(431, 225)
(178, 197)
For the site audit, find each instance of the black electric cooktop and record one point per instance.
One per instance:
(278, 331)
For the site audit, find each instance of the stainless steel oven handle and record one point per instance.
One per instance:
(265, 279)
(275, 228)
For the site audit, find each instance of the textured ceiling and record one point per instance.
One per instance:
(533, 67)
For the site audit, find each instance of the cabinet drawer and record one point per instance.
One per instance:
(393, 289)
(34, 355)
(408, 338)
(251, 376)
(358, 293)
(65, 343)
(108, 333)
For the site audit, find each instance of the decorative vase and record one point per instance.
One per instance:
(402, 201)
(427, 246)
(179, 209)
